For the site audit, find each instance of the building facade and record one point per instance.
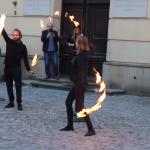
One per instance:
(26, 16)
(119, 30)
(127, 63)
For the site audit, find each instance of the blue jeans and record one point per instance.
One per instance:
(51, 57)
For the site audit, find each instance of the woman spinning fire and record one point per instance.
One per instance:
(79, 78)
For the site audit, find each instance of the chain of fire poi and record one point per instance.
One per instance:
(102, 91)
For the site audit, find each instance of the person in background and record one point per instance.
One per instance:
(15, 52)
(79, 78)
(76, 33)
(50, 38)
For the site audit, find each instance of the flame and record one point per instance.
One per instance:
(2, 22)
(76, 23)
(42, 23)
(102, 90)
(71, 18)
(50, 19)
(35, 60)
(66, 14)
(57, 13)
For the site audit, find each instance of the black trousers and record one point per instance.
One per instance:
(76, 93)
(13, 74)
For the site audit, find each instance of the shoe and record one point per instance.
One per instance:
(19, 107)
(90, 133)
(67, 129)
(10, 105)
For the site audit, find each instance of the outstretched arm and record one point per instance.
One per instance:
(5, 35)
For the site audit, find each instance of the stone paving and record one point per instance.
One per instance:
(123, 123)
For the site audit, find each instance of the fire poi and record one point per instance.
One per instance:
(57, 13)
(35, 60)
(41, 23)
(2, 21)
(102, 91)
(72, 19)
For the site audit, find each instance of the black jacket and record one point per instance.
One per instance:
(15, 51)
(79, 69)
(45, 40)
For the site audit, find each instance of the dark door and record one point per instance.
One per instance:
(93, 16)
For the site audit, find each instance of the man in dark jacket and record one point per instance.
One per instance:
(15, 52)
(50, 38)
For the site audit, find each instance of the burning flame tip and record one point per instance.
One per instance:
(57, 13)
(102, 91)
(2, 22)
(35, 60)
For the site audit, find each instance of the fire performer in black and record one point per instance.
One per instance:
(15, 52)
(79, 78)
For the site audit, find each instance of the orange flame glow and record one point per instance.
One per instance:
(71, 18)
(35, 60)
(66, 14)
(42, 23)
(102, 91)
(57, 13)
(50, 19)
(76, 23)
(2, 22)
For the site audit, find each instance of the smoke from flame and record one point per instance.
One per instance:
(102, 90)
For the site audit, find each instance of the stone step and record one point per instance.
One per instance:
(66, 85)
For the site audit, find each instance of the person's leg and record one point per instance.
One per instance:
(91, 130)
(46, 60)
(18, 84)
(54, 61)
(69, 101)
(9, 83)
(79, 95)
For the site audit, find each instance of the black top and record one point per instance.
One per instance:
(79, 69)
(15, 51)
(45, 40)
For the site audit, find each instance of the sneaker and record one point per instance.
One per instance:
(19, 107)
(90, 133)
(67, 129)
(10, 105)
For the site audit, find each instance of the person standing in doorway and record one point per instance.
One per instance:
(15, 52)
(50, 38)
(79, 78)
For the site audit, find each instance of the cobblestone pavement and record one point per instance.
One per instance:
(123, 123)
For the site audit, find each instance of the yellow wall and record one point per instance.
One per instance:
(29, 25)
(31, 30)
(129, 38)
